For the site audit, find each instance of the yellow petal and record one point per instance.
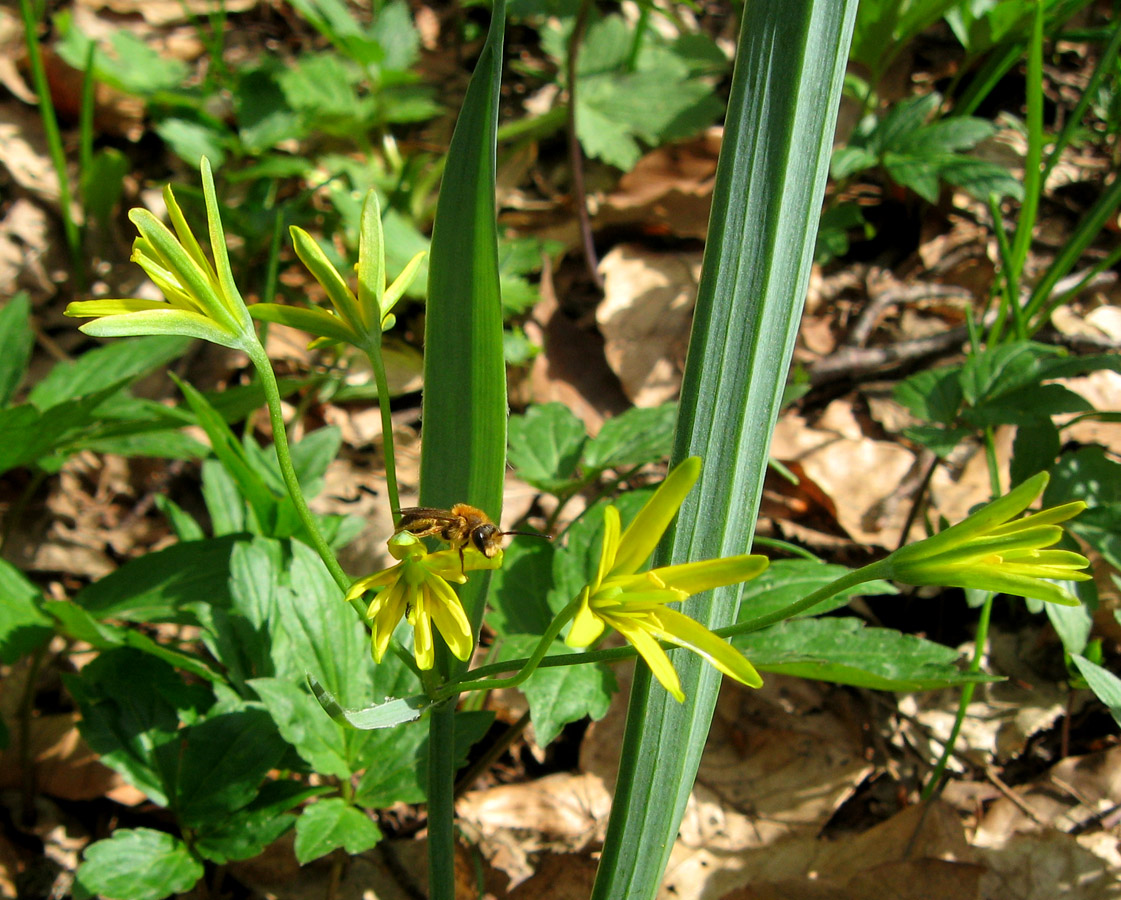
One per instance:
(692, 635)
(643, 534)
(422, 637)
(449, 617)
(385, 612)
(651, 651)
(586, 625)
(693, 578)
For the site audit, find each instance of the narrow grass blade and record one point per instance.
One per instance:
(769, 188)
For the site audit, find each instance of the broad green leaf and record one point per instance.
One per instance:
(331, 823)
(1026, 406)
(387, 714)
(396, 767)
(16, 337)
(185, 526)
(132, 66)
(845, 651)
(222, 761)
(247, 832)
(138, 864)
(321, 743)
(934, 395)
(941, 441)
(77, 624)
(105, 367)
(1035, 449)
(770, 183)
(1071, 623)
(638, 436)
(193, 140)
(1089, 474)
(518, 591)
(561, 694)
(274, 511)
(786, 581)
(132, 705)
(23, 625)
(158, 586)
(224, 503)
(1105, 685)
(545, 445)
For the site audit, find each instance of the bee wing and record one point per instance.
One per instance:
(412, 513)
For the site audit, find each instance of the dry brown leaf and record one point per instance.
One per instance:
(566, 876)
(512, 824)
(645, 318)
(27, 253)
(669, 189)
(1046, 867)
(572, 369)
(861, 475)
(1070, 796)
(65, 766)
(23, 151)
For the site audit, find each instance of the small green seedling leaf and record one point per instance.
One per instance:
(138, 863)
(332, 823)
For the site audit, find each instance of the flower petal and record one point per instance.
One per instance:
(693, 578)
(610, 548)
(651, 651)
(385, 612)
(986, 519)
(423, 649)
(647, 528)
(163, 321)
(586, 625)
(448, 616)
(680, 629)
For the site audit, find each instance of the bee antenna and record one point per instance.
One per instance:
(536, 534)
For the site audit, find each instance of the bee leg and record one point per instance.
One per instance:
(462, 564)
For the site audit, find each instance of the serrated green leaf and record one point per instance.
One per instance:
(16, 337)
(638, 436)
(845, 651)
(332, 823)
(138, 864)
(222, 761)
(132, 705)
(518, 591)
(158, 587)
(545, 445)
(105, 367)
(934, 395)
(77, 624)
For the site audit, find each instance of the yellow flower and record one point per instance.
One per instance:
(991, 551)
(357, 319)
(418, 589)
(635, 604)
(202, 300)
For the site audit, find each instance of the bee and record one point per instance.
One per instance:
(459, 526)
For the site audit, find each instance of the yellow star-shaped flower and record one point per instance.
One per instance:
(636, 603)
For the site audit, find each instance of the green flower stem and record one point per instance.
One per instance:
(54, 142)
(981, 639)
(871, 572)
(280, 444)
(377, 363)
(472, 681)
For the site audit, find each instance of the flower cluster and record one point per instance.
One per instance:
(636, 604)
(417, 589)
(991, 551)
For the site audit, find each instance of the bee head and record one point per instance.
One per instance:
(485, 539)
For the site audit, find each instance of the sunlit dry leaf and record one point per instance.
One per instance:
(645, 318)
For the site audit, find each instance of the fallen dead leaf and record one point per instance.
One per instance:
(512, 824)
(645, 319)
